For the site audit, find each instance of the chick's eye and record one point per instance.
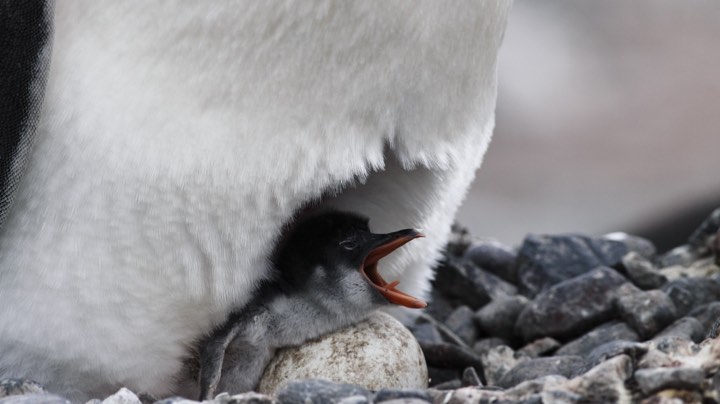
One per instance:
(348, 244)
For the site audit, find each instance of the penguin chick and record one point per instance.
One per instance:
(324, 277)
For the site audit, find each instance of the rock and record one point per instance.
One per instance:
(571, 306)
(12, 387)
(598, 336)
(532, 388)
(707, 315)
(376, 353)
(440, 376)
(497, 362)
(539, 347)
(407, 401)
(485, 344)
(634, 350)
(453, 280)
(672, 396)
(605, 383)
(567, 366)
(686, 327)
(682, 256)
(546, 260)
(687, 293)
(385, 395)
(471, 378)
(319, 392)
(354, 400)
(426, 331)
(684, 378)
(458, 241)
(172, 400)
(34, 398)
(642, 272)
(123, 396)
(494, 257)
(469, 395)
(655, 358)
(647, 312)
(244, 398)
(634, 244)
(701, 238)
(444, 355)
(498, 317)
(460, 322)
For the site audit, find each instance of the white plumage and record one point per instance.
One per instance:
(175, 140)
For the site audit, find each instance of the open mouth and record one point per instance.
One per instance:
(370, 270)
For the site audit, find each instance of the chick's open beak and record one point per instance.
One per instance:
(384, 245)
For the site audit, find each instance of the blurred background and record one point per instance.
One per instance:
(608, 119)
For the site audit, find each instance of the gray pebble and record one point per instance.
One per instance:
(567, 366)
(498, 317)
(483, 345)
(539, 347)
(646, 311)
(461, 323)
(318, 392)
(494, 257)
(686, 327)
(572, 306)
(642, 272)
(653, 380)
(546, 260)
(393, 394)
(634, 350)
(598, 336)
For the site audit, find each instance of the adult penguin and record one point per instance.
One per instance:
(177, 138)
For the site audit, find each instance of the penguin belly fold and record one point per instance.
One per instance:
(176, 139)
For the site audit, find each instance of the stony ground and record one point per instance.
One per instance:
(562, 318)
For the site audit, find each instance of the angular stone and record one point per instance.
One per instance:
(642, 272)
(426, 331)
(449, 356)
(598, 336)
(122, 396)
(449, 385)
(483, 345)
(635, 350)
(384, 395)
(532, 388)
(357, 400)
(318, 392)
(634, 244)
(440, 305)
(605, 383)
(168, 400)
(567, 366)
(473, 286)
(546, 260)
(683, 256)
(498, 317)
(494, 257)
(572, 306)
(700, 239)
(539, 347)
(686, 327)
(497, 362)
(647, 312)
(707, 315)
(461, 323)
(685, 378)
(470, 395)
(688, 293)
(406, 401)
(244, 398)
(12, 387)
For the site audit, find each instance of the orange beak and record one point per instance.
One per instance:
(389, 243)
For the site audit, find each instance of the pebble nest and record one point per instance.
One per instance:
(564, 318)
